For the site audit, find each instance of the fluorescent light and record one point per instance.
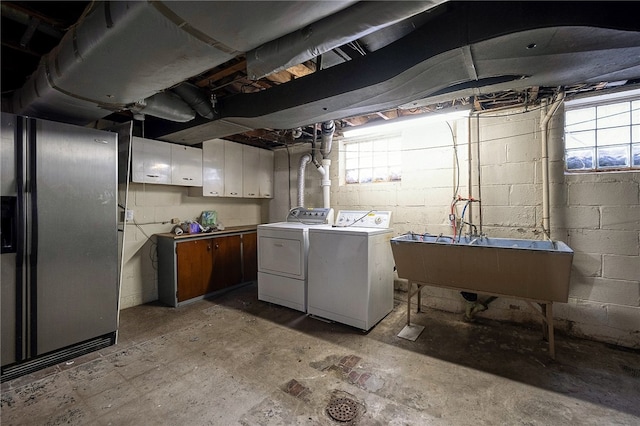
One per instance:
(404, 123)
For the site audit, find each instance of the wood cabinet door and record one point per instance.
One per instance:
(194, 264)
(226, 262)
(250, 256)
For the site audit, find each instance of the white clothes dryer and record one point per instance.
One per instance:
(283, 248)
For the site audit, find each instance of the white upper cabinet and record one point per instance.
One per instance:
(213, 168)
(233, 169)
(165, 163)
(265, 173)
(151, 161)
(230, 169)
(250, 173)
(186, 165)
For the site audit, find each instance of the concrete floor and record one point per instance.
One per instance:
(234, 360)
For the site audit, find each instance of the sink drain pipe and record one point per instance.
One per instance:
(328, 129)
(544, 129)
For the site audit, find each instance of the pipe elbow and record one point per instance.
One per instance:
(328, 128)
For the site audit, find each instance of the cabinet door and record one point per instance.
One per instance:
(250, 256)
(232, 169)
(265, 173)
(250, 175)
(226, 262)
(213, 168)
(151, 161)
(195, 264)
(186, 165)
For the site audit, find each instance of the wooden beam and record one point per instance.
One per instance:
(218, 75)
(280, 76)
(300, 70)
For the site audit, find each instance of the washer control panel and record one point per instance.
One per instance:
(364, 218)
(311, 215)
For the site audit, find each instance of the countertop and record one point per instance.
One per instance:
(229, 230)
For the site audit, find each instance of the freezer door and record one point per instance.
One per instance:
(8, 256)
(76, 229)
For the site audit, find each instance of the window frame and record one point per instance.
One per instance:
(394, 138)
(597, 126)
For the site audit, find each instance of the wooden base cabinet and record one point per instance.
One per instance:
(192, 268)
(250, 256)
(226, 253)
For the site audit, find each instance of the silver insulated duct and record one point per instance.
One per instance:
(304, 160)
(122, 52)
(357, 21)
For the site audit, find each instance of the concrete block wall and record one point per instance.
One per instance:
(597, 214)
(153, 207)
(601, 222)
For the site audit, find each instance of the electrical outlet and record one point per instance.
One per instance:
(175, 220)
(128, 216)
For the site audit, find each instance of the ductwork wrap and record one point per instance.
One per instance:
(356, 21)
(165, 105)
(304, 160)
(120, 52)
(196, 99)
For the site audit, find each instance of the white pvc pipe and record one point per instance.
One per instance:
(544, 123)
(326, 183)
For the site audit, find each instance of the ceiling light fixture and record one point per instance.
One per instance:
(406, 122)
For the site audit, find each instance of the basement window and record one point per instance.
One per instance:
(372, 160)
(602, 133)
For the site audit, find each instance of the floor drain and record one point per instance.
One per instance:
(634, 372)
(343, 409)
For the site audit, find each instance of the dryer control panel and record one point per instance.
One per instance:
(364, 218)
(315, 216)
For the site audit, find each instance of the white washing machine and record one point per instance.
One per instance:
(282, 256)
(351, 269)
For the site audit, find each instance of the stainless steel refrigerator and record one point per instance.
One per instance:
(59, 265)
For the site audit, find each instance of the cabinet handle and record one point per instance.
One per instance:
(252, 194)
(234, 193)
(278, 245)
(186, 178)
(208, 247)
(213, 192)
(217, 246)
(153, 175)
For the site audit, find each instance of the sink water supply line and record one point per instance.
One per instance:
(453, 219)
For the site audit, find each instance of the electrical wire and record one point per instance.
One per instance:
(152, 247)
(357, 220)
(456, 190)
(455, 153)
